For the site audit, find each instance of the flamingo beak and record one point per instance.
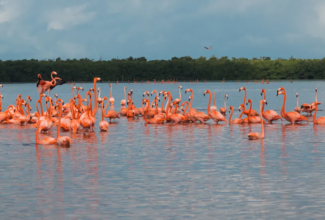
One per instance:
(261, 94)
(265, 103)
(239, 90)
(227, 97)
(203, 94)
(277, 93)
(185, 91)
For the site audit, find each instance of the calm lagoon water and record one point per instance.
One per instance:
(190, 171)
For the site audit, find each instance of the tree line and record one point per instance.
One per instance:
(183, 68)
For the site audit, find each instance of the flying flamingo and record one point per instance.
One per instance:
(208, 48)
(255, 136)
(123, 101)
(253, 112)
(214, 115)
(252, 119)
(320, 120)
(292, 117)
(47, 86)
(269, 115)
(224, 109)
(180, 95)
(236, 120)
(297, 109)
(111, 99)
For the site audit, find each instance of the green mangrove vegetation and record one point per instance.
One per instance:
(182, 68)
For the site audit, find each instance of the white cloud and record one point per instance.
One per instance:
(65, 18)
(9, 9)
(231, 6)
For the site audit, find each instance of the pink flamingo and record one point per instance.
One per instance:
(254, 136)
(269, 115)
(214, 115)
(253, 112)
(292, 117)
(236, 120)
(297, 109)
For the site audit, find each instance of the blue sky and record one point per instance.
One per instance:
(161, 29)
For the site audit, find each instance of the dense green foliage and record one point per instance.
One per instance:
(184, 68)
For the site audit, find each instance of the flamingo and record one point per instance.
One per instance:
(292, 117)
(224, 109)
(236, 120)
(123, 101)
(75, 122)
(214, 115)
(208, 48)
(253, 112)
(269, 115)
(152, 120)
(111, 99)
(43, 86)
(255, 136)
(103, 125)
(297, 109)
(180, 95)
(111, 114)
(309, 108)
(45, 141)
(320, 120)
(99, 100)
(252, 119)
(62, 140)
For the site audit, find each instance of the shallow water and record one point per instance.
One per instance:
(193, 171)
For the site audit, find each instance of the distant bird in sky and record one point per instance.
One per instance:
(208, 48)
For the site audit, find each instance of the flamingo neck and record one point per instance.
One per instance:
(283, 105)
(103, 111)
(214, 99)
(244, 97)
(180, 95)
(232, 111)
(262, 123)
(314, 117)
(191, 102)
(73, 93)
(162, 104)
(146, 111)
(124, 94)
(168, 105)
(37, 129)
(60, 116)
(186, 107)
(156, 105)
(110, 95)
(95, 101)
(224, 102)
(209, 102)
(250, 109)
(297, 101)
(316, 96)
(242, 112)
(263, 107)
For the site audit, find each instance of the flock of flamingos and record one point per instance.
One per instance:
(79, 113)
